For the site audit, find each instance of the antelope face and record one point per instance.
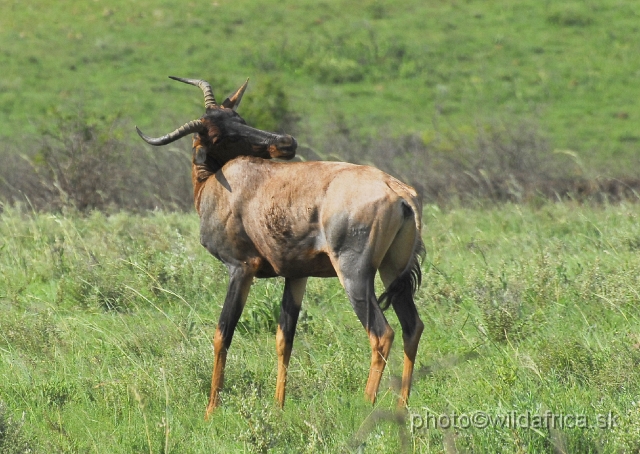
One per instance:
(226, 135)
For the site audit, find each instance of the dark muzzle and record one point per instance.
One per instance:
(284, 147)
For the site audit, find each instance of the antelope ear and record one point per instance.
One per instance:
(200, 155)
(233, 101)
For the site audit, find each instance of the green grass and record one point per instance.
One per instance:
(378, 68)
(106, 326)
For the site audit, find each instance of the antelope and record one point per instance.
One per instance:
(264, 218)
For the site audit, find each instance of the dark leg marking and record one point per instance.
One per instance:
(239, 283)
(291, 302)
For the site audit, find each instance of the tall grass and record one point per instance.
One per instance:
(106, 325)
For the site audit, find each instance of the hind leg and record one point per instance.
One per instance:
(355, 249)
(360, 290)
(412, 327)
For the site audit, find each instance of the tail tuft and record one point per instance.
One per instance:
(407, 283)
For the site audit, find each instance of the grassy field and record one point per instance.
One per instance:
(380, 68)
(106, 320)
(106, 326)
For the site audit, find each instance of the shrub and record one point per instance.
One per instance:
(86, 166)
(570, 360)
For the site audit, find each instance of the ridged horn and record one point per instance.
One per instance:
(233, 101)
(186, 129)
(209, 99)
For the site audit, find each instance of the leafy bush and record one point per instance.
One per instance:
(262, 314)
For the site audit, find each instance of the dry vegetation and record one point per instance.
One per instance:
(495, 162)
(88, 167)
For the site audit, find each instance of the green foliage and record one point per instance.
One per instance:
(627, 435)
(491, 100)
(570, 360)
(263, 426)
(335, 70)
(57, 393)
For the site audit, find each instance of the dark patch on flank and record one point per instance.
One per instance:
(336, 230)
(313, 215)
(278, 223)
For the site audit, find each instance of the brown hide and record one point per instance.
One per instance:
(264, 219)
(279, 213)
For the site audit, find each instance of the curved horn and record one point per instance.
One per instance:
(188, 128)
(209, 99)
(234, 100)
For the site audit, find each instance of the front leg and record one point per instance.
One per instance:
(240, 279)
(291, 302)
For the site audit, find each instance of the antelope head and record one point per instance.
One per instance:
(221, 134)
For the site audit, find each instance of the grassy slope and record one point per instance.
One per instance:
(380, 67)
(105, 327)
